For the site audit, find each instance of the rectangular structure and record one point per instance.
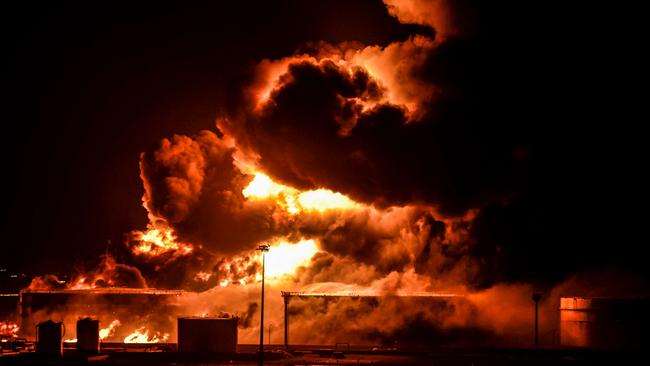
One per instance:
(207, 335)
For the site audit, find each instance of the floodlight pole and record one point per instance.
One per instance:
(263, 248)
(536, 298)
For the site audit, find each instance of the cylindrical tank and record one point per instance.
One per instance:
(49, 338)
(603, 323)
(88, 335)
(207, 335)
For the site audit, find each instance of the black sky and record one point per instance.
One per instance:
(88, 86)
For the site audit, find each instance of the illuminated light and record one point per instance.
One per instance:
(110, 330)
(141, 335)
(71, 340)
(284, 258)
(224, 283)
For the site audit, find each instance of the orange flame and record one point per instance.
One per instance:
(281, 262)
(110, 330)
(283, 259)
(142, 335)
(157, 241)
(8, 328)
(295, 201)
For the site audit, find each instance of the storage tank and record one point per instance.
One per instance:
(49, 338)
(88, 335)
(207, 335)
(604, 323)
(129, 305)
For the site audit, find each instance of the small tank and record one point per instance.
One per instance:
(88, 335)
(49, 337)
(207, 335)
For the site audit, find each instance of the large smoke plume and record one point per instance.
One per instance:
(432, 141)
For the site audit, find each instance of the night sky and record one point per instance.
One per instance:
(88, 86)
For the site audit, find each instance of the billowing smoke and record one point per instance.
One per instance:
(192, 185)
(397, 168)
(107, 273)
(446, 17)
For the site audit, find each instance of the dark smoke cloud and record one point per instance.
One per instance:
(441, 135)
(488, 135)
(192, 185)
(451, 158)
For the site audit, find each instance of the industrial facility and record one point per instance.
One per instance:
(587, 325)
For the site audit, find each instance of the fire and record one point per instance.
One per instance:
(295, 201)
(158, 241)
(110, 330)
(284, 258)
(323, 199)
(141, 335)
(81, 284)
(8, 328)
(203, 276)
(262, 186)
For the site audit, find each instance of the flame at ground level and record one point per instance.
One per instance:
(143, 335)
(110, 330)
(8, 328)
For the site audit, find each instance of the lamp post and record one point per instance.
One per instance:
(262, 248)
(536, 298)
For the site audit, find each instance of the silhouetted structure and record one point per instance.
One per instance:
(207, 335)
(440, 298)
(604, 323)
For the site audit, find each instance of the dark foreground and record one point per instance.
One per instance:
(163, 354)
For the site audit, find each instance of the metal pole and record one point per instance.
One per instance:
(263, 248)
(262, 316)
(286, 322)
(536, 327)
(536, 298)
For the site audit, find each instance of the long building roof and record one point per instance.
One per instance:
(367, 294)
